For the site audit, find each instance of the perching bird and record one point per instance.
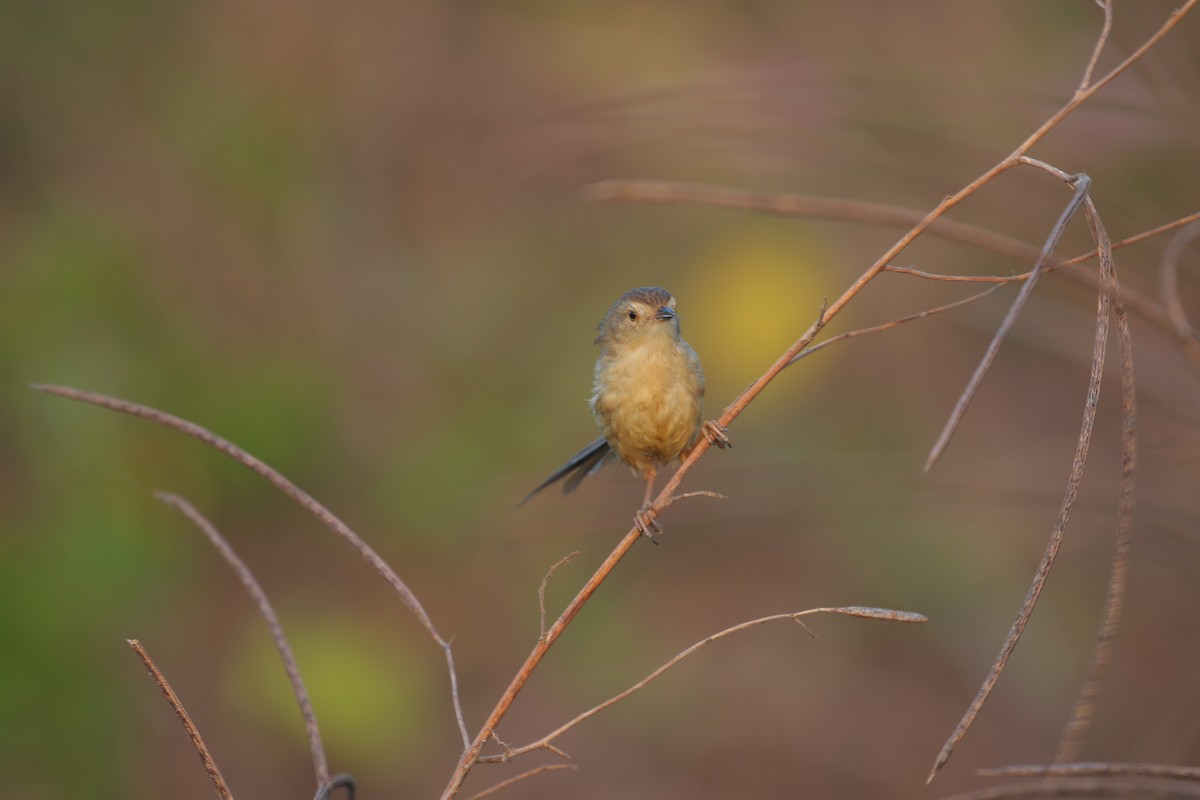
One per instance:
(648, 394)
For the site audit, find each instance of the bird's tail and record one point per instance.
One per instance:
(582, 464)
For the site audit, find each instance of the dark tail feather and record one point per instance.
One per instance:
(582, 464)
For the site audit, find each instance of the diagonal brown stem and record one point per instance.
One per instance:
(193, 733)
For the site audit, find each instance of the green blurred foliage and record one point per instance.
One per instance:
(350, 239)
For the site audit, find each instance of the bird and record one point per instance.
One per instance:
(647, 397)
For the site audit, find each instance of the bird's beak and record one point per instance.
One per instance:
(666, 313)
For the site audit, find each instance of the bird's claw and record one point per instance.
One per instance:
(646, 523)
(716, 434)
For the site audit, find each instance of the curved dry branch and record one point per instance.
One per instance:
(518, 778)
(542, 590)
(851, 611)
(1101, 41)
(1095, 768)
(320, 763)
(206, 758)
(1100, 343)
(929, 312)
(291, 490)
(1114, 605)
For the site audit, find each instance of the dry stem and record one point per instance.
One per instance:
(795, 616)
(206, 758)
(542, 591)
(320, 763)
(517, 778)
(1114, 605)
(1096, 768)
(808, 351)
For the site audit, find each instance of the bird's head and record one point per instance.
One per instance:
(640, 313)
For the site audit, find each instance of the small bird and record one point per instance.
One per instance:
(648, 396)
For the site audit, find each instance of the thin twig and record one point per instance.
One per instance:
(1169, 286)
(295, 493)
(1081, 185)
(1167, 227)
(206, 758)
(1083, 709)
(700, 493)
(1103, 312)
(1083, 787)
(853, 611)
(528, 774)
(320, 763)
(938, 276)
(1101, 40)
(1095, 768)
(542, 597)
(929, 312)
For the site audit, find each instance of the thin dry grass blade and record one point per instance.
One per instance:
(863, 612)
(1083, 709)
(320, 763)
(1101, 40)
(210, 766)
(517, 778)
(929, 312)
(1100, 344)
(542, 591)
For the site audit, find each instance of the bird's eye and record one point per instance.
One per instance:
(632, 314)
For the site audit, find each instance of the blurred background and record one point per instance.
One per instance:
(352, 238)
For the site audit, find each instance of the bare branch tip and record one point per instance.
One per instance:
(942, 758)
(887, 614)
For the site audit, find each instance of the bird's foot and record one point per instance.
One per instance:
(645, 523)
(715, 434)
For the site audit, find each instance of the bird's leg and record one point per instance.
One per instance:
(715, 434)
(641, 520)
